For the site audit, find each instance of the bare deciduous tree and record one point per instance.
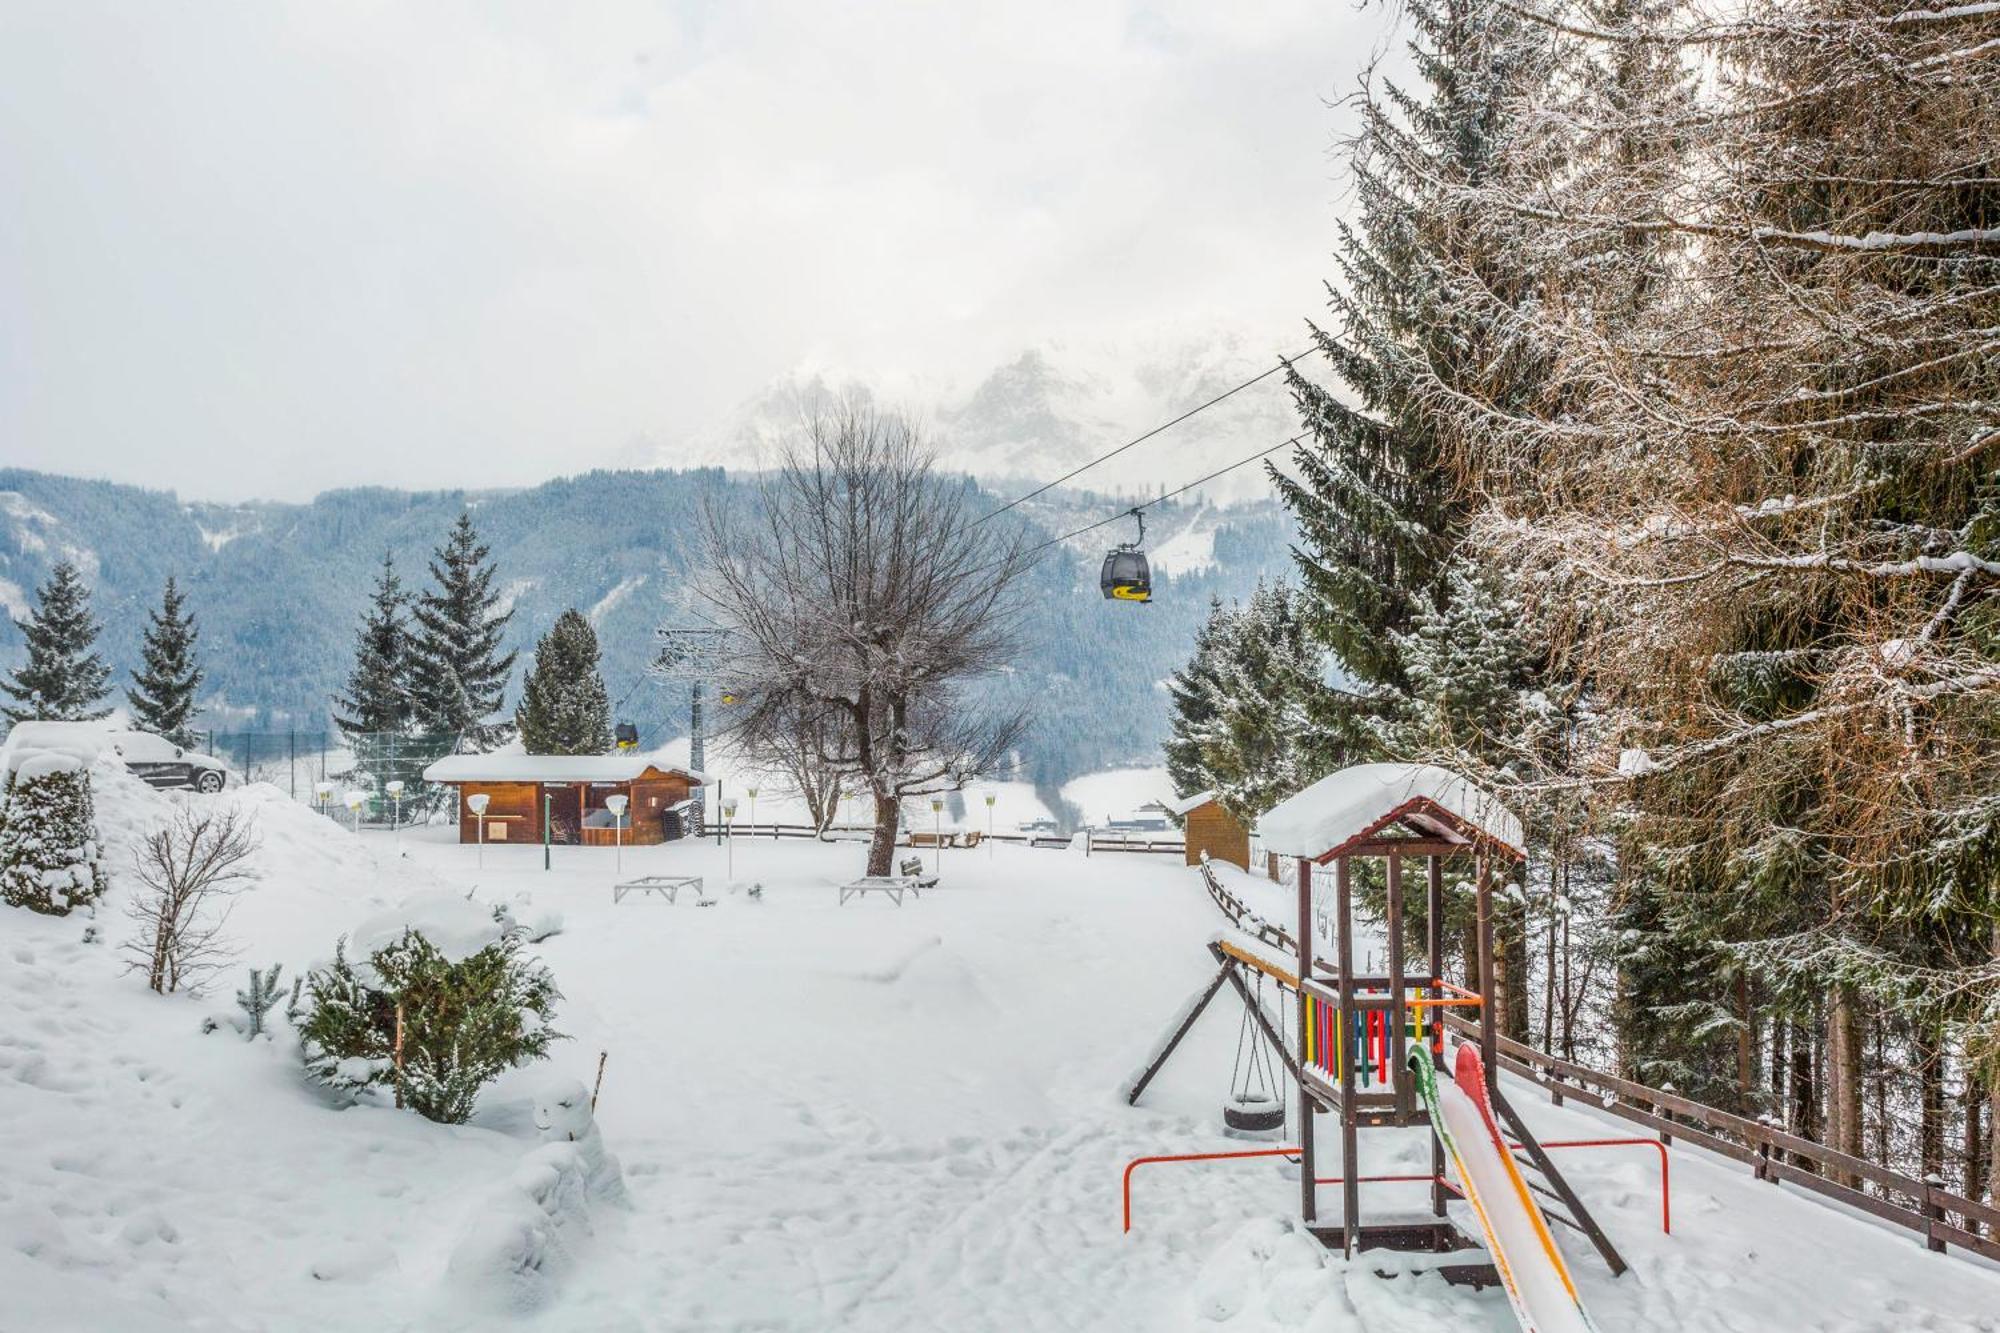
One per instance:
(862, 598)
(188, 870)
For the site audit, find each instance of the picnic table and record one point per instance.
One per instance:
(669, 885)
(893, 885)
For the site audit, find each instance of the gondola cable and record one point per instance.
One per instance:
(1284, 363)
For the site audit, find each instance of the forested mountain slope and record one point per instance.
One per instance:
(278, 588)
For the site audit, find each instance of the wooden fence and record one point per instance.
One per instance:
(861, 833)
(1923, 1206)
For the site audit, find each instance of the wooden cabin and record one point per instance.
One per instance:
(1210, 828)
(571, 789)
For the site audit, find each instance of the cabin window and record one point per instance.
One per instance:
(497, 832)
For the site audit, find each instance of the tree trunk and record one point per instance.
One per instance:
(1514, 981)
(882, 848)
(1803, 1117)
(1843, 1111)
(1928, 1048)
(1746, 1044)
(1973, 1177)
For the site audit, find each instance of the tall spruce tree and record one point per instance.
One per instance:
(377, 698)
(1244, 720)
(564, 707)
(1192, 702)
(1378, 511)
(162, 693)
(63, 679)
(458, 674)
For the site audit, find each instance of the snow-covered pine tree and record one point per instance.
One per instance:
(564, 708)
(458, 674)
(1192, 703)
(1263, 741)
(63, 679)
(463, 1022)
(49, 858)
(377, 698)
(1378, 510)
(162, 693)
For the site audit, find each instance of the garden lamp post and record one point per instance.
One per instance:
(989, 824)
(355, 800)
(477, 803)
(548, 816)
(322, 793)
(729, 827)
(937, 834)
(616, 805)
(395, 790)
(751, 792)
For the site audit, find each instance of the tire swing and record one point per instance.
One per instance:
(1256, 1105)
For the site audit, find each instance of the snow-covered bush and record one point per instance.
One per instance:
(470, 1006)
(49, 859)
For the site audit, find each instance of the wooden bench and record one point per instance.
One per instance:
(893, 885)
(668, 885)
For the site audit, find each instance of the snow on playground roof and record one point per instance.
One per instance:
(616, 767)
(1189, 804)
(1355, 803)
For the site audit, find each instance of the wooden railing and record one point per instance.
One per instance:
(1922, 1206)
(1243, 918)
(743, 828)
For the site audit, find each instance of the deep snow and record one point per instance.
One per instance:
(862, 1117)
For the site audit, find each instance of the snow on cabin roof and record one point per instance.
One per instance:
(1354, 803)
(1189, 804)
(619, 766)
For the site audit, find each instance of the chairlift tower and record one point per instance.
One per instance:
(690, 655)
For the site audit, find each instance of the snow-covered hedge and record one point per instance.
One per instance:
(49, 856)
(472, 1006)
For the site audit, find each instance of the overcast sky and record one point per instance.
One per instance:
(263, 249)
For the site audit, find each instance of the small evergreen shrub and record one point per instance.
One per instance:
(464, 1022)
(49, 860)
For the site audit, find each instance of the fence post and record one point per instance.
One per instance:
(1761, 1169)
(1933, 1214)
(1555, 1085)
(1666, 1114)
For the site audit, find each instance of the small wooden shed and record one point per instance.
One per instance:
(1210, 828)
(572, 789)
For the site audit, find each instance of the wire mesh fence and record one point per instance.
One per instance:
(347, 776)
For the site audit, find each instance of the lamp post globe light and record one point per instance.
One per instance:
(990, 798)
(937, 834)
(616, 805)
(477, 803)
(729, 830)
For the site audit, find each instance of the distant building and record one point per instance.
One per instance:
(1210, 828)
(571, 791)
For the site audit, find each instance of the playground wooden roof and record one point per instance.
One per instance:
(1370, 808)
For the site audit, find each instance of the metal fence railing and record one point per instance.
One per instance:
(303, 764)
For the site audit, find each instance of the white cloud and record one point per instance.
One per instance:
(267, 248)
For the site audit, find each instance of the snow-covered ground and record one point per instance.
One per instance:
(1118, 793)
(860, 1117)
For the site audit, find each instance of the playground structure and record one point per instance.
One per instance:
(1371, 1050)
